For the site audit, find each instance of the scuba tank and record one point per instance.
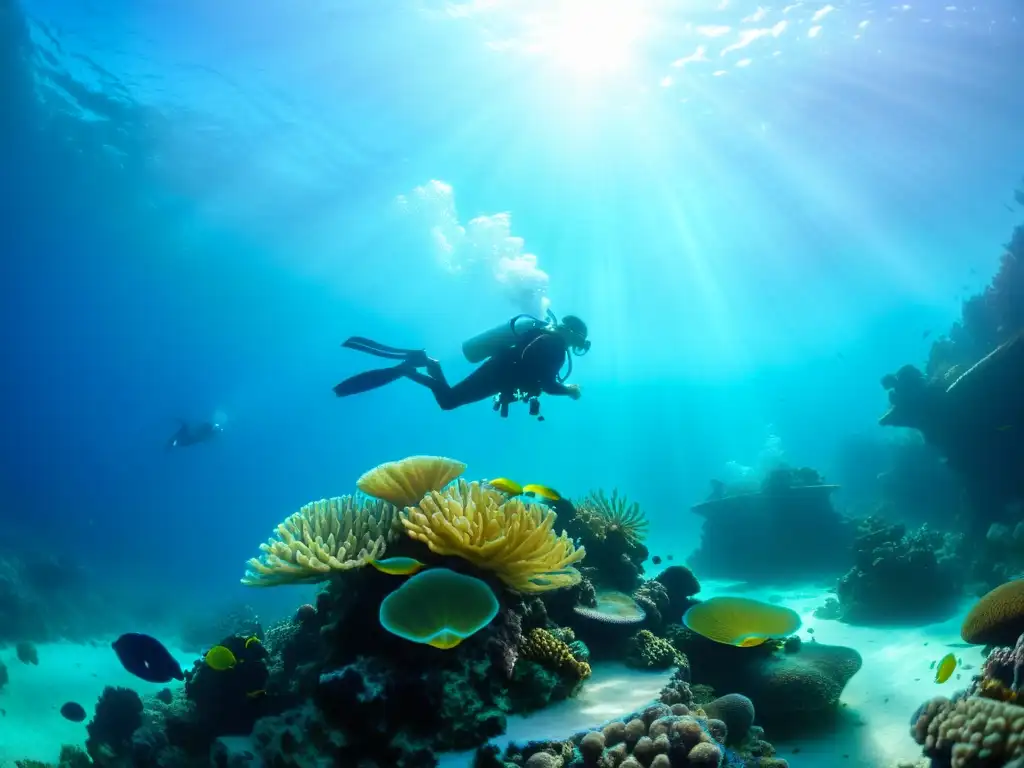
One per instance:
(493, 340)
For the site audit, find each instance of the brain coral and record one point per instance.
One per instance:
(736, 711)
(998, 617)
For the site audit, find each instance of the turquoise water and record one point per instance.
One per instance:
(758, 210)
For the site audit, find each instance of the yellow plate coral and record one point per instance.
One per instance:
(403, 483)
(741, 621)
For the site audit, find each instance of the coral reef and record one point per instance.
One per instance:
(612, 530)
(901, 575)
(118, 716)
(658, 737)
(403, 483)
(324, 536)
(969, 732)
(787, 530)
(736, 711)
(648, 651)
(513, 540)
(548, 651)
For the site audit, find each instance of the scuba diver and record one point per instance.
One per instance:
(193, 434)
(520, 359)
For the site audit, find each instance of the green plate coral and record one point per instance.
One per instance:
(439, 608)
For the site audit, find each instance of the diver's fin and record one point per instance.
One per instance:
(364, 382)
(362, 344)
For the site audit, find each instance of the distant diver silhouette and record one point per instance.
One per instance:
(193, 434)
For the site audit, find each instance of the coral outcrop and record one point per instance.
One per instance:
(901, 575)
(657, 737)
(613, 530)
(787, 530)
(793, 685)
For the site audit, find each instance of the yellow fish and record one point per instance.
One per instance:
(543, 492)
(220, 658)
(398, 566)
(503, 484)
(512, 488)
(945, 669)
(250, 640)
(254, 694)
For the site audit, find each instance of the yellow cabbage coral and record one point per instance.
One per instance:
(515, 541)
(323, 537)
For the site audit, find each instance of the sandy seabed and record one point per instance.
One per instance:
(873, 731)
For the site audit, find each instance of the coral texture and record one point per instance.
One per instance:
(513, 540)
(323, 537)
(543, 647)
(403, 483)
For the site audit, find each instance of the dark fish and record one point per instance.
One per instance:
(656, 560)
(668, 557)
(146, 658)
(73, 711)
(926, 334)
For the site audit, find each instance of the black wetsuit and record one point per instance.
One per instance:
(530, 367)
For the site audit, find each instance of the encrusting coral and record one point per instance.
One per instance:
(648, 651)
(323, 537)
(513, 540)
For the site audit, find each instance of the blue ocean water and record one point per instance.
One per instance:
(758, 210)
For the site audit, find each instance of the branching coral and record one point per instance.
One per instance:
(547, 650)
(323, 537)
(615, 514)
(515, 541)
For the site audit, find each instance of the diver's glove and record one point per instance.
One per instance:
(574, 391)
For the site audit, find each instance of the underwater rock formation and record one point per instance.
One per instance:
(793, 685)
(968, 402)
(786, 531)
(901, 575)
(118, 716)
